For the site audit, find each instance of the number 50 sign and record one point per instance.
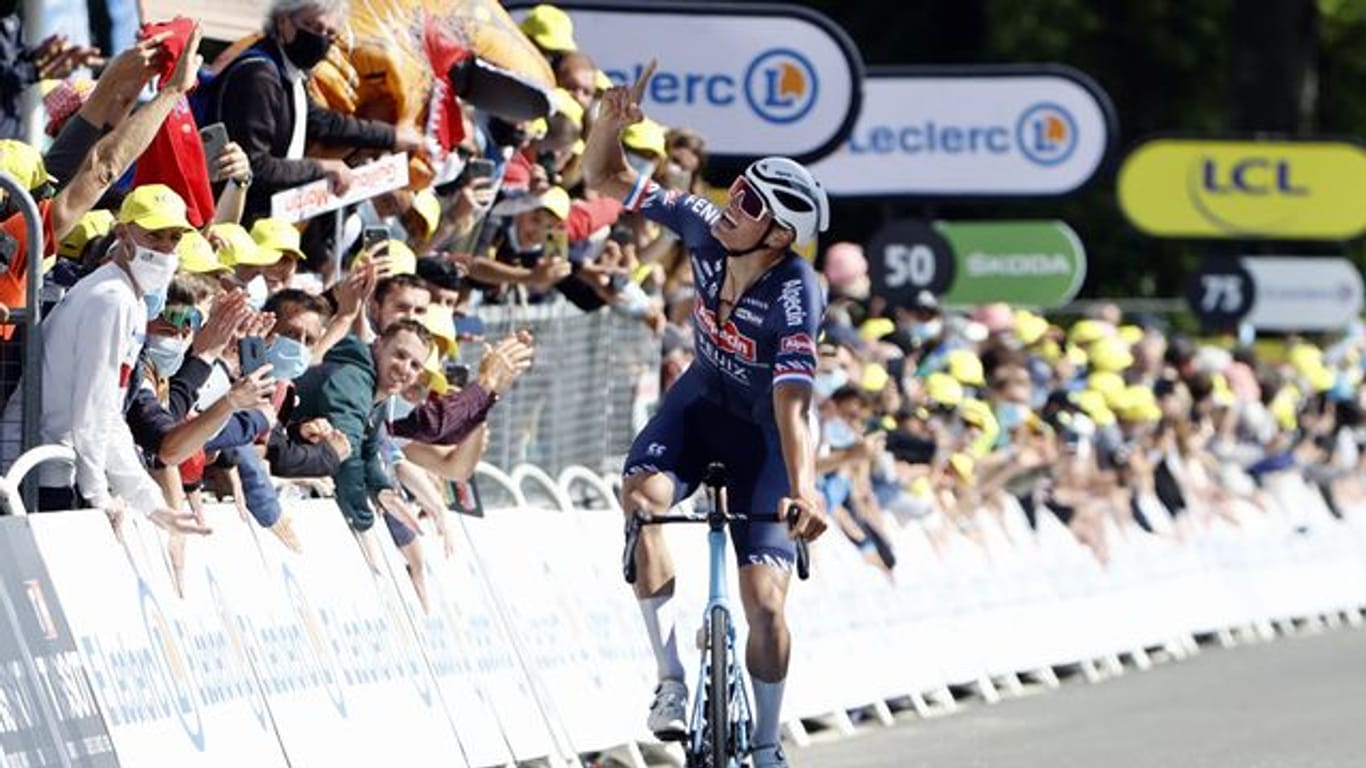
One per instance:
(907, 257)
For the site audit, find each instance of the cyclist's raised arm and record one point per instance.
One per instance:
(604, 160)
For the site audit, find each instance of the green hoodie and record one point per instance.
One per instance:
(342, 390)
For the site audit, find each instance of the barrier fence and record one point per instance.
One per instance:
(587, 395)
(532, 650)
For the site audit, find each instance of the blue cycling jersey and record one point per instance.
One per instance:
(769, 337)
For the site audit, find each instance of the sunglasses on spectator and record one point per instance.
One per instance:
(182, 317)
(747, 199)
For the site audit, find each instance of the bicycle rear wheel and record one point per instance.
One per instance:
(718, 702)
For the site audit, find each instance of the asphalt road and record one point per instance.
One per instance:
(1293, 703)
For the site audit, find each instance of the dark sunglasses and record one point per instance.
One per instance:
(747, 199)
(182, 317)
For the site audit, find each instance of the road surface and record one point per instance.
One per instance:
(1296, 702)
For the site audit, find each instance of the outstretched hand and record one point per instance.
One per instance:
(621, 105)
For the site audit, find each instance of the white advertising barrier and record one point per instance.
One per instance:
(973, 131)
(1303, 294)
(471, 656)
(315, 198)
(173, 688)
(755, 79)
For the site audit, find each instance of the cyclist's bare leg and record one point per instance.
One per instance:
(653, 494)
(763, 592)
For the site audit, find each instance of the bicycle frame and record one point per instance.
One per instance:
(718, 597)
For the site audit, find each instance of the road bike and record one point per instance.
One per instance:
(720, 725)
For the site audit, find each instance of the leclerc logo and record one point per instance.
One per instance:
(781, 86)
(1046, 134)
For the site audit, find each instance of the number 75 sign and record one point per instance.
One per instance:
(1283, 293)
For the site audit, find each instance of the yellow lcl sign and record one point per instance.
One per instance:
(1293, 190)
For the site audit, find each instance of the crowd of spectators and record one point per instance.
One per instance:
(202, 344)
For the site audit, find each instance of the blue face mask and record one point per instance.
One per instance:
(827, 383)
(166, 353)
(923, 332)
(1010, 416)
(288, 358)
(155, 302)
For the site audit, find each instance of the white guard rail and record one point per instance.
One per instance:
(532, 649)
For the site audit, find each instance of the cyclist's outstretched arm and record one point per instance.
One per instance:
(604, 160)
(791, 406)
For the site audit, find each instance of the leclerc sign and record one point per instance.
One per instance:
(754, 79)
(975, 131)
(1291, 190)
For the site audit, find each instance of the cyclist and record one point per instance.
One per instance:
(746, 401)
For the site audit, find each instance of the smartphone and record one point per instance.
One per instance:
(557, 244)
(458, 374)
(214, 138)
(374, 235)
(479, 168)
(251, 353)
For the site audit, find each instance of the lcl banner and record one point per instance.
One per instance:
(755, 79)
(972, 131)
(1289, 190)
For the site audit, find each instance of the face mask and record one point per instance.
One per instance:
(288, 358)
(926, 331)
(1010, 416)
(645, 166)
(153, 271)
(166, 353)
(399, 408)
(155, 303)
(677, 177)
(215, 387)
(307, 48)
(257, 292)
(827, 383)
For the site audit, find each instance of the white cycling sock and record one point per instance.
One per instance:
(768, 706)
(659, 623)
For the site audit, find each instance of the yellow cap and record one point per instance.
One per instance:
(875, 328)
(153, 207)
(875, 378)
(429, 208)
(1086, 331)
(550, 28)
(1138, 404)
(1320, 378)
(601, 81)
(1110, 385)
(962, 465)
(645, 136)
(1305, 358)
(435, 373)
(1131, 334)
(555, 200)
(964, 366)
(93, 224)
(1093, 404)
(1029, 327)
(1076, 355)
(278, 236)
(235, 246)
(197, 256)
(943, 389)
(562, 102)
(1110, 354)
(438, 320)
(25, 163)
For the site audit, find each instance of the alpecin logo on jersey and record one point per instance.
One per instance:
(728, 338)
(798, 343)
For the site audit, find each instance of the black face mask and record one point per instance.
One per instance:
(307, 48)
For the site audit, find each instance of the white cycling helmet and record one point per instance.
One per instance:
(796, 199)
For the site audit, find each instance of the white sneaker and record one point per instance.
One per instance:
(768, 757)
(669, 712)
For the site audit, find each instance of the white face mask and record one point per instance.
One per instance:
(215, 387)
(257, 293)
(167, 353)
(152, 270)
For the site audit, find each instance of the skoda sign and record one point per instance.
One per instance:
(1290, 190)
(1029, 263)
(754, 79)
(976, 131)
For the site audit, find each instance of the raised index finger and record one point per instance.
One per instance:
(638, 90)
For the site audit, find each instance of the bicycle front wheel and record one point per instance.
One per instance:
(718, 702)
